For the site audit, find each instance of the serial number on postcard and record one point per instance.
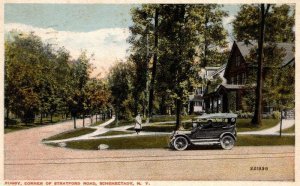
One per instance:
(259, 168)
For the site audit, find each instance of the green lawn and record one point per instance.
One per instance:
(120, 123)
(161, 141)
(289, 130)
(170, 118)
(113, 133)
(245, 124)
(242, 125)
(139, 142)
(99, 123)
(251, 140)
(71, 134)
(152, 120)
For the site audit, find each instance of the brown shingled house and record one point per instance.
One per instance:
(228, 96)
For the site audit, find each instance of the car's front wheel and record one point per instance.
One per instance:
(227, 142)
(180, 143)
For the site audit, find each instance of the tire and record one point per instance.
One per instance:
(227, 142)
(180, 143)
(171, 146)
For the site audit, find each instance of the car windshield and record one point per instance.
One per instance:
(215, 119)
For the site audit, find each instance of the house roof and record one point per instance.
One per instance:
(195, 98)
(289, 49)
(230, 86)
(219, 70)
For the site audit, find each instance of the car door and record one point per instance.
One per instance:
(206, 132)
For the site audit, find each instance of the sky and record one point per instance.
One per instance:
(100, 29)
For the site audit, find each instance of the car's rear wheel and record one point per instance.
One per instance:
(227, 142)
(180, 143)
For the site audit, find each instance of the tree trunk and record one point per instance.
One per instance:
(7, 117)
(205, 43)
(256, 120)
(83, 119)
(178, 113)
(179, 91)
(91, 119)
(96, 117)
(41, 119)
(51, 116)
(74, 117)
(163, 106)
(151, 94)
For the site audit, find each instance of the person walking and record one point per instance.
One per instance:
(138, 123)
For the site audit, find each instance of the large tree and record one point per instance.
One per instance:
(269, 24)
(182, 37)
(120, 81)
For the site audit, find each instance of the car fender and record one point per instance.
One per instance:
(183, 135)
(227, 133)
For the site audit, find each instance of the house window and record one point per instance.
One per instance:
(243, 78)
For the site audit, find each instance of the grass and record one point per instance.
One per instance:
(152, 120)
(113, 133)
(99, 123)
(245, 124)
(162, 127)
(71, 134)
(289, 130)
(242, 125)
(170, 118)
(250, 140)
(120, 123)
(139, 142)
(148, 142)
(16, 124)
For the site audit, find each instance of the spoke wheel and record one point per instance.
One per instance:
(180, 143)
(227, 142)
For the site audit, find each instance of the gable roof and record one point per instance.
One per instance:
(289, 50)
(219, 70)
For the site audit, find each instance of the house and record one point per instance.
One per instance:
(230, 94)
(196, 101)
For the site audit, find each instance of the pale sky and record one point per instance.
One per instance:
(101, 29)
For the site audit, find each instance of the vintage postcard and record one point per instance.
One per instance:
(149, 93)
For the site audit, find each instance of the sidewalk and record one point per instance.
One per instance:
(274, 130)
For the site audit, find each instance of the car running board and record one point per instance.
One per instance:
(205, 141)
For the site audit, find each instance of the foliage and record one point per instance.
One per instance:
(279, 23)
(276, 115)
(120, 79)
(42, 80)
(189, 36)
(232, 101)
(279, 27)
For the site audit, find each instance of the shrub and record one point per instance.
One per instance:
(276, 115)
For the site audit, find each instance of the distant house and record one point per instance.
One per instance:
(196, 100)
(227, 95)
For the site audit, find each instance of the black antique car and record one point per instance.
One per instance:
(208, 129)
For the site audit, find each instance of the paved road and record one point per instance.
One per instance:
(27, 158)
